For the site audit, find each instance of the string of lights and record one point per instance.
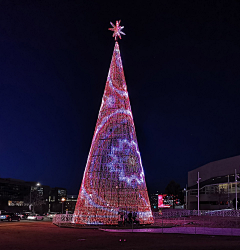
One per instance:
(113, 184)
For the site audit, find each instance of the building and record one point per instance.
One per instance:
(18, 196)
(55, 198)
(154, 201)
(217, 185)
(70, 203)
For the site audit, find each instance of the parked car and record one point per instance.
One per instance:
(35, 217)
(20, 215)
(50, 215)
(9, 217)
(2, 211)
(24, 215)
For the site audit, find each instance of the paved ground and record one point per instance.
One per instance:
(182, 230)
(44, 235)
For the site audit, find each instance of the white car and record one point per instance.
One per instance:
(51, 215)
(35, 217)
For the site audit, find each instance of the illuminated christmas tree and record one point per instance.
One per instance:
(114, 184)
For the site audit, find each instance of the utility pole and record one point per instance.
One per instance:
(228, 193)
(198, 193)
(30, 203)
(236, 177)
(185, 189)
(63, 199)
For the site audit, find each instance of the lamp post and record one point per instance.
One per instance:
(236, 177)
(228, 193)
(30, 203)
(198, 192)
(185, 189)
(63, 199)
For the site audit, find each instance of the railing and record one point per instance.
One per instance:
(189, 218)
(61, 219)
(161, 217)
(175, 213)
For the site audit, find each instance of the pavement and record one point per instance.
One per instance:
(181, 230)
(39, 235)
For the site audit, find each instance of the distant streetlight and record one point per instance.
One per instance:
(37, 185)
(63, 199)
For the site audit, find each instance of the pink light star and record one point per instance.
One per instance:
(117, 30)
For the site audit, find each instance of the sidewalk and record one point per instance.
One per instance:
(181, 230)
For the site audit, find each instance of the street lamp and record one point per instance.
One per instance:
(236, 179)
(198, 181)
(185, 190)
(38, 184)
(63, 199)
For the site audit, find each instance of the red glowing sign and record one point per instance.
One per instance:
(161, 201)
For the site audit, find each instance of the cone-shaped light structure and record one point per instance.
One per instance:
(113, 184)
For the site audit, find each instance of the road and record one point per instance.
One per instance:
(42, 235)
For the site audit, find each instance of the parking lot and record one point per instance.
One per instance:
(38, 235)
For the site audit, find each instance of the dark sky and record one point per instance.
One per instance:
(181, 61)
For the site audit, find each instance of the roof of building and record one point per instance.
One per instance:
(214, 169)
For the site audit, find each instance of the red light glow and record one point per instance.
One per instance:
(161, 201)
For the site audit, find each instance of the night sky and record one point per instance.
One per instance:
(181, 62)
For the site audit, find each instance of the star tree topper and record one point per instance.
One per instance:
(117, 30)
